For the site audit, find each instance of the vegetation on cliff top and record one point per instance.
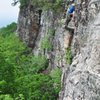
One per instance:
(20, 72)
(49, 4)
(42, 4)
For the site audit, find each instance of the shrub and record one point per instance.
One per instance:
(55, 5)
(20, 73)
(36, 87)
(9, 29)
(61, 22)
(68, 56)
(33, 64)
(45, 44)
(48, 4)
(22, 3)
(56, 76)
(39, 63)
(5, 97)
(11, 50)
(58, 58)
(20, 97)
(52, 31)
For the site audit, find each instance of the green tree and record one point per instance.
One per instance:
(5, 97)
(20, 72)
(9, 29)
(41, 4)
(10, 51)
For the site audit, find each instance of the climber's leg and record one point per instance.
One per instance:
(68, 19)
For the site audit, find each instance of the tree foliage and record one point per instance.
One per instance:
(20, 72)
(48, 4)
(68, 56)
(8, 29)
(41, 4)
(45, 44)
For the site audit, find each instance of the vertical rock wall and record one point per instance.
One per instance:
(59, 40)
(81, 81)
(28, 24)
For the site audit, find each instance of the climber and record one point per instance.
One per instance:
(70, 14)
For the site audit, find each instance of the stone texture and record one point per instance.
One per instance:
(28, 24)
(59, 41)
(34, 26)
(81, 79)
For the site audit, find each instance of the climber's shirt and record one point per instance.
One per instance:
(70, 15)
(71, 10)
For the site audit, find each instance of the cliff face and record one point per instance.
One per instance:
(36, 26)
(28, 24)
(51, 21)
(80, 80)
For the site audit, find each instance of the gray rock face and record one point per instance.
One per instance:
(34, 26)
(59, 41)
(28, 24)
(81, 79)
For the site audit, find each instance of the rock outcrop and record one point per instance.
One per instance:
(81, 79)
(35, 26)
(28, 24)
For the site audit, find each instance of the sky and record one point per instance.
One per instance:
(8, 13)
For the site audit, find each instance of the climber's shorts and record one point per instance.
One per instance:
(69, 14)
